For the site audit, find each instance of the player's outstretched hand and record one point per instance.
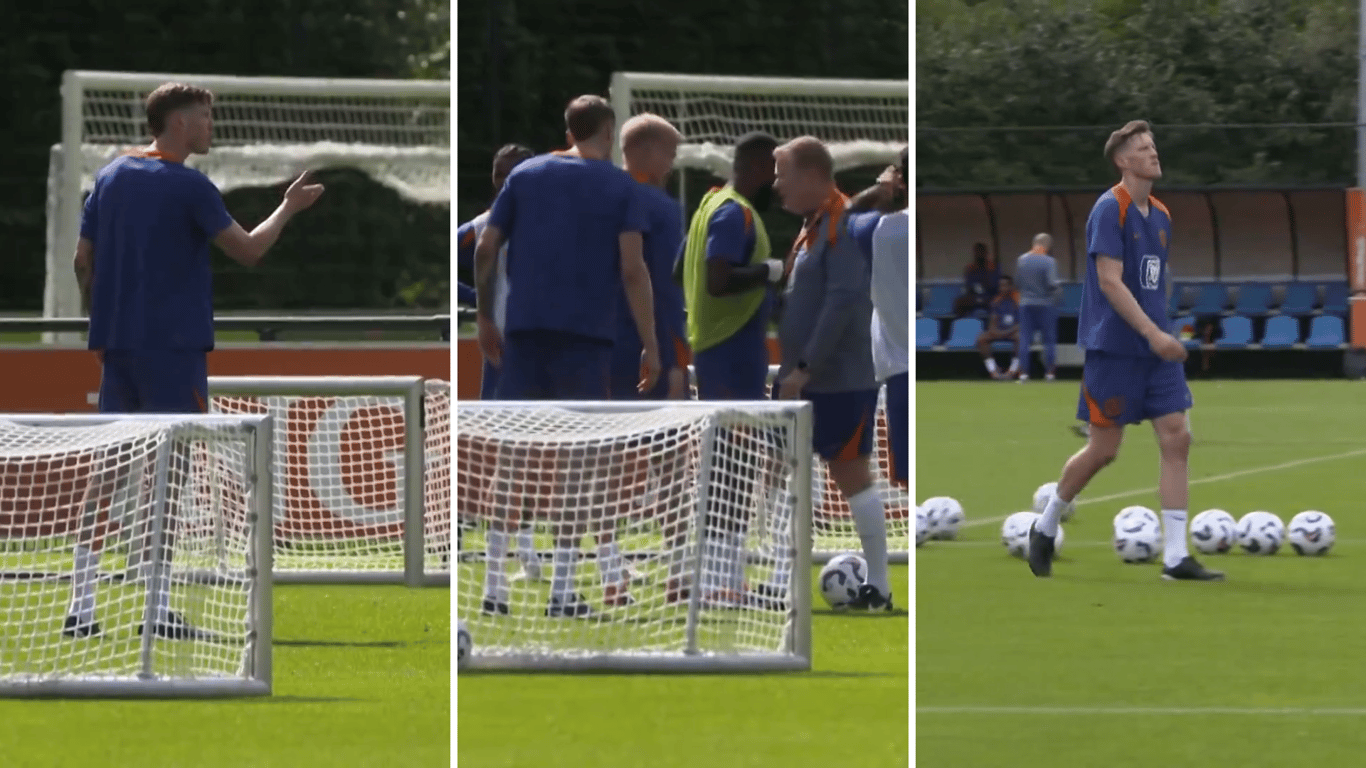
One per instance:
(490, 342)
(790, 388)
(1168, 347)
(302, 194)
(649, 369)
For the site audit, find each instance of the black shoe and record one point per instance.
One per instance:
(574, 607)
(73, 628)
(1190, 569)
(175, 627)
(492, 607)
(1040, 553)
(871, 599)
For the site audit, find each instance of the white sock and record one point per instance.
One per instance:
(991, 364)
(1052, 514)
(83, 576)
(1173, 537)
(1014, 364)
(495, 565)
(526, 552)
(782, 542)
(737, 560)
(610, 564)
(870, 520)
(562, 573)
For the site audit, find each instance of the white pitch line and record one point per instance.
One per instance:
(1277, 711)
(1199, 481)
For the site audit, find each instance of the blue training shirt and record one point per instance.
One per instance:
(663, 238)
(561, 216)
(1116, 228)
(151, 221)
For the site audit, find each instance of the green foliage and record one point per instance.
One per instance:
(1173, 62)
(352, 250)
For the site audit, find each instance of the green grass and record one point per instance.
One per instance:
(853, 702)
(1283, 633)
(362, 678)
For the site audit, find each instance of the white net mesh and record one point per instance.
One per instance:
(863, 122)
(684, 513)
(341, 478)
(108, 530)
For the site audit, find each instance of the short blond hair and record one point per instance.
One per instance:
(646, 128)
(1121, 137)
(808, 153)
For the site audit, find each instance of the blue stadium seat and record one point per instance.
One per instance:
(1176, 299)
(1071, 300)
(1237, 332)
(926, 332)
(1335, 298)
(1282, 332)
(1325, 332)
(940, 302)
(1300, 299)
(1254, 299)
(1210, 299)
(1186, 322)
(963, 333)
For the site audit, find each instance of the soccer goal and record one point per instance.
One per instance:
(267, 130)
(863, 122)
(645, 484)
(189, 499)
(363, 477)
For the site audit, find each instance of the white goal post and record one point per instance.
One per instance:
(267, 130)
(680, 506)
(363, 478)
(863, 122)
(187, 498)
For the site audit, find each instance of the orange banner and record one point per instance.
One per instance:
(1356, 264)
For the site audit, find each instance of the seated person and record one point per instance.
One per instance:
(979, 283)
(1003, 325)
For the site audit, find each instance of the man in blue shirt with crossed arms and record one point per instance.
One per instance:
(1133, 370)
(573, 223)
(142, 262)
(823, 331)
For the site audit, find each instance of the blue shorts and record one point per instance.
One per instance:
(735, 369)
(898, 412)
(162, 381)
(1127, 389)
(488, 382)
(551, 365)
(843, 423)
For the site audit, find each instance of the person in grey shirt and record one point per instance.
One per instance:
(1036, 278)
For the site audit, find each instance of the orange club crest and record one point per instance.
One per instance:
(1162, 237)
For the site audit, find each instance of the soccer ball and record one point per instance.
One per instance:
(922, 526)
(1213, 532)
(1312, 533)
(841, 578)
(1044, 493)
(463, 643)
(1260, 533)
(944, 515)
(1015, 533)
(1138, 535)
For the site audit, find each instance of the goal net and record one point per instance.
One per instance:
(135, 555)
(362, 476)
(677, 535)
(863, 122)
(266, 130)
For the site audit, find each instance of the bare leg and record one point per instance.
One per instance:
(1173, 442)
(1102, 446)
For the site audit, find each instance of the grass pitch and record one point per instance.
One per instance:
(853, 702)
(1106, 664)
(362, 680)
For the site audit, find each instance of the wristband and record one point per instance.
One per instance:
(775, 270)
